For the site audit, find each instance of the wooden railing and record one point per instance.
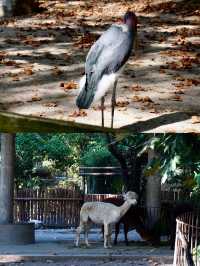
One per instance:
(186, 251)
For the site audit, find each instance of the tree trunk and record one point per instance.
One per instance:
(130, 165)
(112, 147)
(7, 177)
(153, 193)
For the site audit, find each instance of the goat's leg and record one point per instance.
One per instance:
(113, 103)
(87, 227)
(109, 236)
(106, 235)
(102, 231)
(78, 232)
(116, 232)
(110, 239)
(126, 227)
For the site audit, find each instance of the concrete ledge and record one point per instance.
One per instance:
(62, 258)
(17, 234)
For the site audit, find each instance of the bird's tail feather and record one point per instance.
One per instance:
(85, 97)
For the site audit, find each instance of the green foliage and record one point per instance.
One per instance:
(98, 156)
(58, 154)
(178, 157)
(53, 151)
(177, 154)
(196, 253)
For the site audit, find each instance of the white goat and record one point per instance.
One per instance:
(105, 214)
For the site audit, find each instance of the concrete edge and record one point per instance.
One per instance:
(19, 233)
(58, 258)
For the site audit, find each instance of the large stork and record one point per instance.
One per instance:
(104, 62)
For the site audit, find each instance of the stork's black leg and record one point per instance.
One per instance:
(102, 111)
(113, 103)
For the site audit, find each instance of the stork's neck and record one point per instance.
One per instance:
(132, 30)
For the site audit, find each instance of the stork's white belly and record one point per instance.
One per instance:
(106, 83)
(82, 83)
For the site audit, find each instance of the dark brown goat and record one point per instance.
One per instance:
(133, 219)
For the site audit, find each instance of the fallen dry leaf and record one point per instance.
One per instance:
(80, 113)
(86, 40)
(147, 99)
(137, 98)
(57, 71)
(71, 85)
(122, 103)
(162, 70)
(9, 63)
(51, 104)
(179, 92)
(15, 77)
(137, 88)
(36, 98)
(28, 71)
(176, 98)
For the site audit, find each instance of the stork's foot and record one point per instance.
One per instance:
(102, 111)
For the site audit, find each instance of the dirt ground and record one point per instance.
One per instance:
(42, 59)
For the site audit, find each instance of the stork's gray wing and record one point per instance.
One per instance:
(106, 56)
(113, 46)
(105, 40)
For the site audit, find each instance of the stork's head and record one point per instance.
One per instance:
(130, 19)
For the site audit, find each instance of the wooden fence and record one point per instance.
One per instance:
(174, 195)
(187, 249)
(55, 207)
